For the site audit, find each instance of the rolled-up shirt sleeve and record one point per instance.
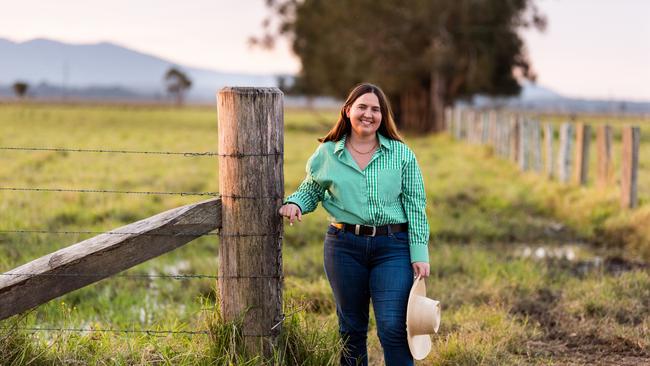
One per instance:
(309, 192)
(414, 201)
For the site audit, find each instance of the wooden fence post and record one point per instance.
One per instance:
(458, 123)
(536, 146)
(485, 128)
(604, 155)
(548, 149)
(523, 144)
(251, 182)
(514, 137)
(583, 137)
(564, 153)
(493, 128)
(500, 134)
(630, 166)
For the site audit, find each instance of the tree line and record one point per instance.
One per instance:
(177, 83)
(425, 54)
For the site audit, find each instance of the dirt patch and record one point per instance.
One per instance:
(566, 341)
(560, 352)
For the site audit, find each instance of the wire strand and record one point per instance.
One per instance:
(213, 194)
(109, 191)
(101, 233)
(147, 276)
(110, 330)
(141, 152)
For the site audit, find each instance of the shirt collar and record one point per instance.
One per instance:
(340, 144)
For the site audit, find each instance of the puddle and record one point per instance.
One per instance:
(579, 258)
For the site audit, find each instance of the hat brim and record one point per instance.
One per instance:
(420, 345)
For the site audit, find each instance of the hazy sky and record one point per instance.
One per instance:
(592, 48)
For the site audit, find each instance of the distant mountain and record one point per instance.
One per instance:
(536, 98)
(106, 71)
(106, 66)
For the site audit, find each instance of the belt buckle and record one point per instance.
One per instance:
(374, 231)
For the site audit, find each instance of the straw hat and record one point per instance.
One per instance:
(422, 319)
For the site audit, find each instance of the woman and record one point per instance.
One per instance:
(369, 182)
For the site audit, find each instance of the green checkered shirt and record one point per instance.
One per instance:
(389, 190)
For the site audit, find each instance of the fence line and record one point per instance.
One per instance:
(283, 317)
(110, 330)
(212, 194)
(96, 232)
(249, 118)
(138, 276)
(128, 233)
(142, 152)
(518, 138)
(111, 151)
(20, 189)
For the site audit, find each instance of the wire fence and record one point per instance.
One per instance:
(139, 152)
(110, 330)
(155, 332)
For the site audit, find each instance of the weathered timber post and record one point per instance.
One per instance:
(514, 137)
(464, 124)
(493, 128)
(583, 137)
(536, 146)
(524, 145)
(485, 128)
(504, 138)
(499, 135)
(604, 155)
(458, 121)
(251, 182)
(471, 126)
(630, 166)
(548, 149)
(564, 152)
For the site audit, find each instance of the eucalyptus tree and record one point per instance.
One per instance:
(20, 89)
(177, 83)
(425, 54)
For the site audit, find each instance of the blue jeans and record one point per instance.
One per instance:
(360, 268)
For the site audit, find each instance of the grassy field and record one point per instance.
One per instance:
(503, 301)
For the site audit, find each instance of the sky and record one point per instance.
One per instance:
(590, 49)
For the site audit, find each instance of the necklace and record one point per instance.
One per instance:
(363, 153)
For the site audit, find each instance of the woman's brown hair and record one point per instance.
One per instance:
(343, 126)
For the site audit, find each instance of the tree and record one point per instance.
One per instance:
(20, 89)
(177, 83)
(425, 54)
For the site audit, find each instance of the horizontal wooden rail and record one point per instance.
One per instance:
(105, 255)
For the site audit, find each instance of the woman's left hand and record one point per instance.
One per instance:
(421, 268)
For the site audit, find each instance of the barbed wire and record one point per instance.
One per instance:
(141, 152)
(105, 191)
(110, 330)
(101, 233)
(145, 331)
(218, 233)
(139, 276)
(108, 191)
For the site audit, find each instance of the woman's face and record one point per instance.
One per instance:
(365, 115)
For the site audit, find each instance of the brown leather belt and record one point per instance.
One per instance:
(371, 230)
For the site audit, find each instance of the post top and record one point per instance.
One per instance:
(250, 90)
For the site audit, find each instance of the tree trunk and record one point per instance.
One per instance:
(423, 109)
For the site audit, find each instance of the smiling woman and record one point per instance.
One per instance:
(371, 185)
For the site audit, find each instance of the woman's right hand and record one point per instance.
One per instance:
(291, 211)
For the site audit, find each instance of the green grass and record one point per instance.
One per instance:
(498, 307)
